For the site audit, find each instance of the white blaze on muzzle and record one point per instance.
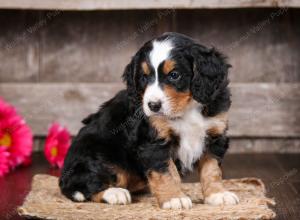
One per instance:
(153, 92)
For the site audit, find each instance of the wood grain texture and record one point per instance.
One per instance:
(264, 145)
(262, 44)
(19, 60)
(94, 47)
(67, 103)
(136, 4)
(265, 110)
(258, 110)
(280, 173)
(238, 145)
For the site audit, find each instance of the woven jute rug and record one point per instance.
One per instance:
(46, 202)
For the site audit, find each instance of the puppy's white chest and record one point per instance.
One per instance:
(192, 131)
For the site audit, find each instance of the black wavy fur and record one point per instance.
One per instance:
(120, 134)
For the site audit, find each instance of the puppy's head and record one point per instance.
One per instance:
(170, 72)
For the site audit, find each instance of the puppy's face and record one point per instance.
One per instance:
(171, 71)
(167, 74)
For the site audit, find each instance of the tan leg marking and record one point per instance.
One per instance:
(136, 184)
(118, 192)
(167, 189)
(219, 124)
(97, 197)
(174, 172)
(211, 180)
(129, 181)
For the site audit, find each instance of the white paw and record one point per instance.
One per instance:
(178, 203)
(223, 198)
(78, 196)
(118, 196)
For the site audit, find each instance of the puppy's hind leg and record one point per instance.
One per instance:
(81, 180)
(79, 183)
(119, 192)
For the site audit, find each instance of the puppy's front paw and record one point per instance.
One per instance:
(222, 198)
(178, 203)
(118, 196)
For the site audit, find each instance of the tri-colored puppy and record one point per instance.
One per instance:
(171, 118)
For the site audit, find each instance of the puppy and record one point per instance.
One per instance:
(171, 119)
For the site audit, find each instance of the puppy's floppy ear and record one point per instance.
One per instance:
(130, 77)
(128, 74)
(210, 80)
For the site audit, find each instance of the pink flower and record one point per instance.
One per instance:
(6, 110)
(57, 144)
(15, 136)
(4, 167)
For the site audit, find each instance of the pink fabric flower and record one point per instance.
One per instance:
(15, 135)
(4, 167)
(57, 145)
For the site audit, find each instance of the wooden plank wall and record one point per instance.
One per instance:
(258, 110)
(51, 61)
(137, 4)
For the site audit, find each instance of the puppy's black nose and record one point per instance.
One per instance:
(154, 106)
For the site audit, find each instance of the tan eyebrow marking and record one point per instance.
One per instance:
(145, 68)
(169, 65)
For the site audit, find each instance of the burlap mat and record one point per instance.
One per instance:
(45, 201)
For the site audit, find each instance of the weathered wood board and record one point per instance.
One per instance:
(65, 58)
(262, 145)
(19, 46)
(136, 4)
(262, 44)
(95, 49)
(258, 109)
(237, 145)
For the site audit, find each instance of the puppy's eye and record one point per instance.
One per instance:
(174, 76)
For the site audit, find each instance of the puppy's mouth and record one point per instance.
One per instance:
(159, 114)
(165, 116)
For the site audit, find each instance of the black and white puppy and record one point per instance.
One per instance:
(171, 118)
